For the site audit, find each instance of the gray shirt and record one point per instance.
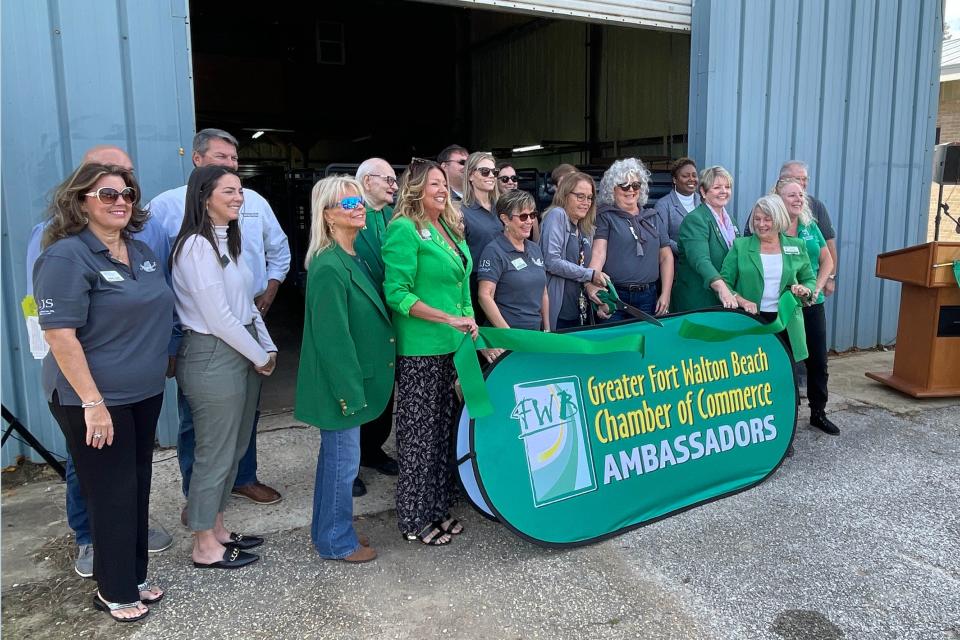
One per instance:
(819, 211)
(566, 254)
(673, 212)
(520, 278)
(122, 316)
(480, 227)
(633, 245)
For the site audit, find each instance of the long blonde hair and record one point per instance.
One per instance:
(326, 194)
(410, 200)
(469, 193)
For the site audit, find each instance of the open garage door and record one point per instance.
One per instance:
(652, 14)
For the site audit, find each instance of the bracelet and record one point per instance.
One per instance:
(90, 405)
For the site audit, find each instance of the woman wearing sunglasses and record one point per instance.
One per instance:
(346, 361)
(427, 287)
(107, 313)
(512, 279)
(705, 237)
(508, 177)
(480, 221)
(631, 244)
(225, 351)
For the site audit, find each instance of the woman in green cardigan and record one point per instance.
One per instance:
(761, 267)
(346, 361)
(427, 286)
(706, 235)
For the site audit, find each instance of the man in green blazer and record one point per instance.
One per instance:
(379, 182)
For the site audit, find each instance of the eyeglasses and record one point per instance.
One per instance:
(462, 162)
(390, 180)
(506, 179)
(630, 186)
(352, 202)
(582, 197)
(523, 217)
(487, 171)
(109, 195)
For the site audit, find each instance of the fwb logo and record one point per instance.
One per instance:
(553, 429)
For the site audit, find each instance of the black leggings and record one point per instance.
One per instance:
(116, 483)
(815, 326)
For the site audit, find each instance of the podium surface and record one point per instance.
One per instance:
(927, 359)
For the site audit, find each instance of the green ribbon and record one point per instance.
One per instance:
(786, 308)
(468, 368)
(956, 271)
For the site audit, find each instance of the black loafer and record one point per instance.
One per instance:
(359, 489)
(233, 558)
(238, 541)
(820, 420)
(388, 467)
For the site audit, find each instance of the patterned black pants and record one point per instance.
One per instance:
(426, 402)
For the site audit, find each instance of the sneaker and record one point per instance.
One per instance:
(820, 420)
(258, 493)
(83, 565)
(158, 540)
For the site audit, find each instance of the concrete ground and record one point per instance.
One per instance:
(856, 536)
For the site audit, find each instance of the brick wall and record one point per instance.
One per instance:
(948, 120)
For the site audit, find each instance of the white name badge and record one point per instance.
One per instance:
(518, 263)
(794, 251)
(111, 276)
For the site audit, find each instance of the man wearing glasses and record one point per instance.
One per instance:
(379, 182)
(452, 160)
(267, 254)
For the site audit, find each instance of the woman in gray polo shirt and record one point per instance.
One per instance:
(631, 243)
(511, 277)
(480, 221)
(107, 313)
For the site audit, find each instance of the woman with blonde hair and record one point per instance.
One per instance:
(480, 221)
(428, 267)
(565, 240)
(346, 361)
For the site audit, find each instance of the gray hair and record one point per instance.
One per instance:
(785, 169)
(620, 172)
(367, 167)
(201, 141)
(773, 207)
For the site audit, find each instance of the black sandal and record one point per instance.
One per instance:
(109, 607)
(451, 527)
(431, 535)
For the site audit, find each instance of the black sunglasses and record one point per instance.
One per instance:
(506, 179)
(487, 171)
(630, 186)
(462, 162)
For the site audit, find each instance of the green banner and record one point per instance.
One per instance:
(569, 447)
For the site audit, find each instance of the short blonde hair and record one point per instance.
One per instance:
(806, 216)
(326, 195)
(710, 175)
(773, 207)
(474, 159)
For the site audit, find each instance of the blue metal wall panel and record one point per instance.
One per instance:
(848, 86)
(75, 75)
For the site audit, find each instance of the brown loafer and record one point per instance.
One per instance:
(363, 554)
(258, 493)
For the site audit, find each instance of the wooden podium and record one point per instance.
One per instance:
(927, 360)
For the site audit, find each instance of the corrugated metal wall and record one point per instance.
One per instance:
(668, 15)
(76, 74)
(851, 87)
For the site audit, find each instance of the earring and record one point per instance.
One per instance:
(84, 220)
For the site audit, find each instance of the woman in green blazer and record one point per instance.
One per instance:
(706, 235)
(427, 286)
(346, 361)
(761, 267)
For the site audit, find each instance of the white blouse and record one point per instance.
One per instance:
(772, 271)
(214, 298)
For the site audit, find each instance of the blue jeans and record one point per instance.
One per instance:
(77, 516)
(337, 465)
(645, 300)
(246, 472)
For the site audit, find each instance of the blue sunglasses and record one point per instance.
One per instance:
(352, 202)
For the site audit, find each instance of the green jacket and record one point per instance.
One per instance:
(743, 271)
(700, 253)
(347, 356)
(370, 240)
(421, 266)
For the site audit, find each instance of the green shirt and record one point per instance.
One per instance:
(814, 241)
(370, 242)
